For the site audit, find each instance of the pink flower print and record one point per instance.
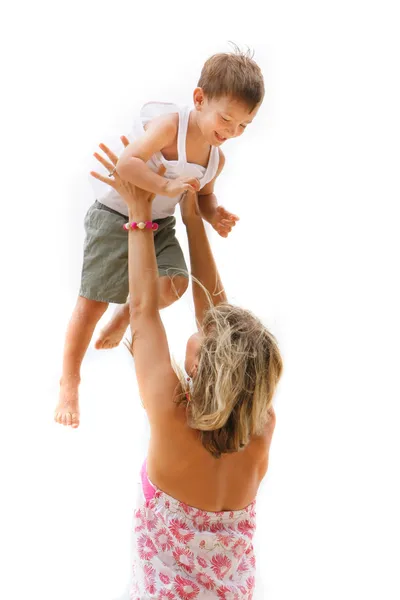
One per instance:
(220, 565)
(250, 582)
(187, 509)
(166, 595)
(243, 590)
(217, 526)
(163, 539)
(167, 504)
(225, 593)
(146, 547)
(202, 544)
(149, 579)
(139, 520)
(133, 595)
(149, 572)
(164, 578)
(243, 566)
(231, 514)
(151, 523)
(186, 589)
(184, 557)
(225, 539)
(201, 520)
(205, 581)
(180, 530)
(239, 548)
(202, 562)
(252, 511)
(246, 527)
(253, 561)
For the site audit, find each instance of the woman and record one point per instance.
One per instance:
(210, 433)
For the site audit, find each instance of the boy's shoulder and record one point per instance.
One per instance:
(167, 123)
(221, 162)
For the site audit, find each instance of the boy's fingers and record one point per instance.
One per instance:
(226, 214)
(161, 170)
(124, 140)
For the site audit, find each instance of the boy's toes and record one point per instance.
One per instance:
(75, 420)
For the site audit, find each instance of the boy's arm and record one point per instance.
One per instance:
(219, 218)
(132, 167)
(207, 200)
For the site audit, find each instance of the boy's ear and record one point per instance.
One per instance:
(198, 98)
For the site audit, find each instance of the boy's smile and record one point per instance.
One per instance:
(220, 119)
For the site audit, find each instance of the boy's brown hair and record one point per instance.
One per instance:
(234, 74)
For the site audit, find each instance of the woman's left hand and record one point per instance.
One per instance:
(129, 192)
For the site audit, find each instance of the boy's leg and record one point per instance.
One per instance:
(84, 319)
(170, 290)
(172, 270)
(103, 281)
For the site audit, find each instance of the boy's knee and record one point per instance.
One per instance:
(91, 308)
(173, 288)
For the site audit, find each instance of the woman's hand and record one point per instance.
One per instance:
(129, 192)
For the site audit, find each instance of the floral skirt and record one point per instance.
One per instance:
(183, 553)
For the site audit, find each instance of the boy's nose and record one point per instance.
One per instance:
(233, 131)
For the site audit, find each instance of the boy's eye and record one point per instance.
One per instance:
(223, 118)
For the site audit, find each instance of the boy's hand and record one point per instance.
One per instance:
(223, 221)
(129, 192)
(174, 187)
(180, 185)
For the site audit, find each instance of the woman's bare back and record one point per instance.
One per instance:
(179, 465)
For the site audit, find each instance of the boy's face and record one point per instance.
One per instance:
(223, 118)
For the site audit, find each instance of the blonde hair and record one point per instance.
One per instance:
(233, 74)
(239, 369)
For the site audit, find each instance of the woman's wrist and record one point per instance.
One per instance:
(192, 219)
(139, 214)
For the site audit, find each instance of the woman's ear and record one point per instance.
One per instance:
(194, 369)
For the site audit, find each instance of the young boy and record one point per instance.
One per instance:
(186, 142)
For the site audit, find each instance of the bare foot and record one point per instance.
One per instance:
(67, 411)
(114, 331)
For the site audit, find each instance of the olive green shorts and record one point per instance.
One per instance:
(105, 256)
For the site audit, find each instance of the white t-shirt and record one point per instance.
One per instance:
(163, 206)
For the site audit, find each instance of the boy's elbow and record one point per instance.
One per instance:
(124, 167)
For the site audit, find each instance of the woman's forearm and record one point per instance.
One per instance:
(203, 267)
(135, 170)
(142, 264)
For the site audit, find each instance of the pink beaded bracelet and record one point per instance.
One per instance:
(147, 225)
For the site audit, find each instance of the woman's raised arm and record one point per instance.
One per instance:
(202, 262)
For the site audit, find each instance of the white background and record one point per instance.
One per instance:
(315, 180)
